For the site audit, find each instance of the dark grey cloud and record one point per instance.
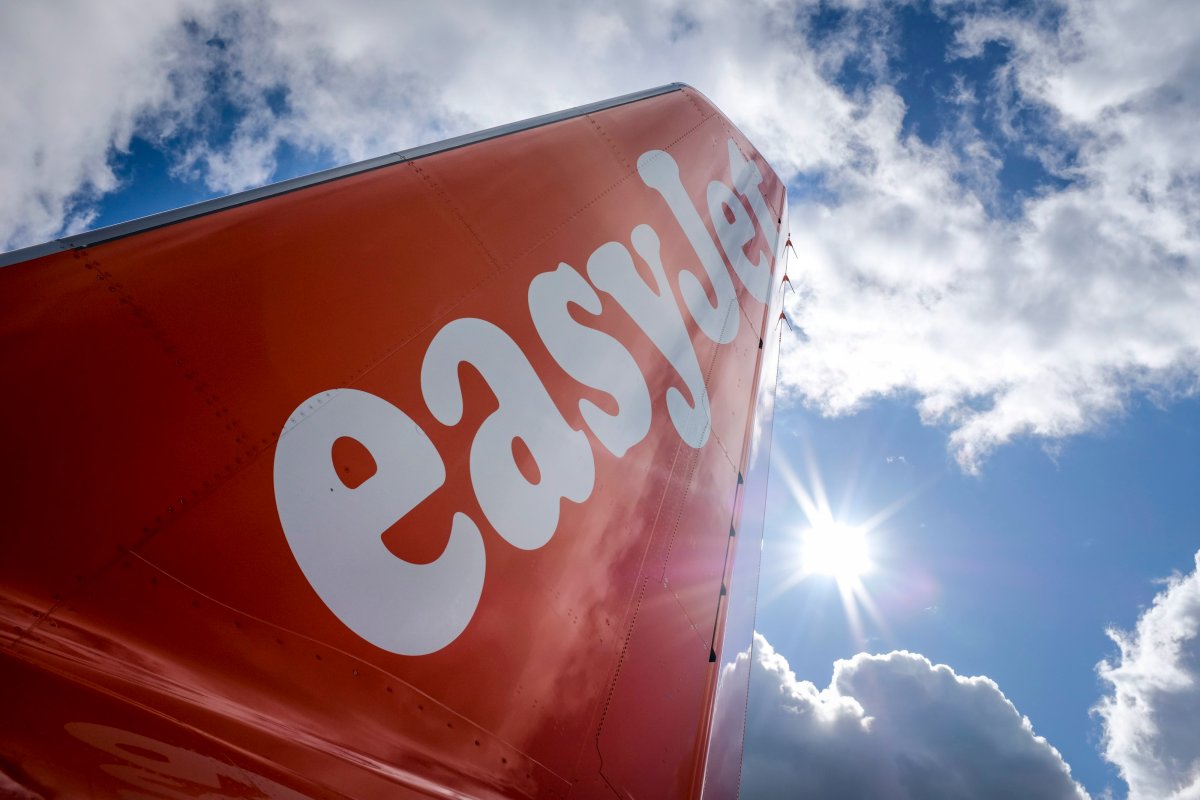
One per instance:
(892, 726)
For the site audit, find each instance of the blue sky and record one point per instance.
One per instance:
(997, 213)
(1014, 574)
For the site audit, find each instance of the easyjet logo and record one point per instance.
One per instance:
(335, 531)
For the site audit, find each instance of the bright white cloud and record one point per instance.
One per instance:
(365, 77)
(1044, 323)
(76, 83)
(893, 726)
(1150, 715)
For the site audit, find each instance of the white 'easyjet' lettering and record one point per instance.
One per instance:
(660, 172)
(654, 310)
(524, 513)
(334, 531)
(591, 357)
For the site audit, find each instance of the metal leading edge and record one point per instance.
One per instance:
(122, 229)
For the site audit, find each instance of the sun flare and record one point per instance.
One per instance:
(825, 549)
(839, 551)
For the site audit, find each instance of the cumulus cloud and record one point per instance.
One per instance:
(224, 82)
(1042, 324)
(894, 726)
(1041, 318)
(1150, 715)
(76, 83)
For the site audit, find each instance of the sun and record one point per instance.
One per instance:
(837, 550)
(846, 548)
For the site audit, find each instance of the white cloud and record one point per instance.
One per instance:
(76, 81)
(363, 78)
(893, 726)
(1044, 323)
(1150, 716)
(1048, 323)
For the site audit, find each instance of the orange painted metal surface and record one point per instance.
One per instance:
(162, 632)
